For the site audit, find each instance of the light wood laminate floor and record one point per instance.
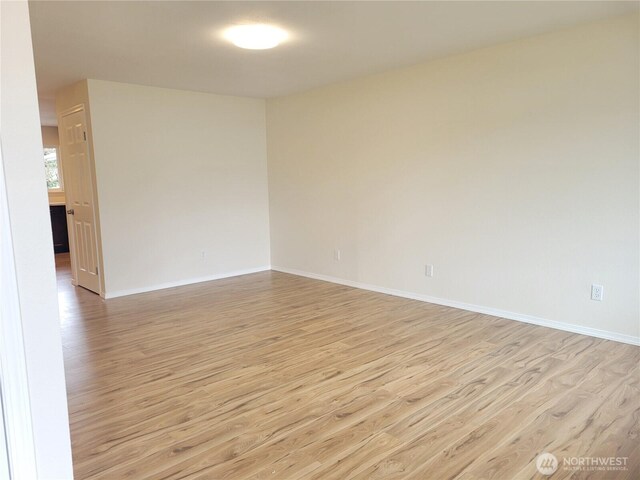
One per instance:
(275, 376)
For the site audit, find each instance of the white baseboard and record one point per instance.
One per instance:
(567, 327)
(189, 281)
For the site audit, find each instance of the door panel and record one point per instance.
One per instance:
(80, 201)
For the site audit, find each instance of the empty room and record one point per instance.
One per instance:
(319, 240)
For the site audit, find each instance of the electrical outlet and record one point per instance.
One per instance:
(337, 255)
(597, 292)
(428, 270)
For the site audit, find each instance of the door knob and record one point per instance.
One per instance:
(71, 211)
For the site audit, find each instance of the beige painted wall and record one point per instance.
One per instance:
(182, 185)
(512, 169)
(50, 136)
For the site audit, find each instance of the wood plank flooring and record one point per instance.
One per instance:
(273, 376)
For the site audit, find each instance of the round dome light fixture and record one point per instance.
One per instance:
(257, 36)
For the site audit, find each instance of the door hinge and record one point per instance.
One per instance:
(85, 136)
(96, 270)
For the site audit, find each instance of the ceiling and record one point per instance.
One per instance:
(178, 44)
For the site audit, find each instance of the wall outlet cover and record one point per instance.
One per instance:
(597, 292)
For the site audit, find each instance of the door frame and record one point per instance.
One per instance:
(14, 387)
(94, 191)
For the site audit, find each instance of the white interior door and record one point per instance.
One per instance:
(81, 218)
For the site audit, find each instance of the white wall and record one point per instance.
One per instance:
(512, 169)
(26, 198)
(178, 174)
(17, 449)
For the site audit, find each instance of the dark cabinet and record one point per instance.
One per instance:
(59, 228)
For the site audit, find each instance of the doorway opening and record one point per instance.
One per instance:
(72, 201)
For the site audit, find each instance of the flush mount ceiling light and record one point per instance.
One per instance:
(257, 36)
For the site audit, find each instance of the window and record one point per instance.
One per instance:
(52, 169)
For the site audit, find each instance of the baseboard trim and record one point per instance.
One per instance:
(520, 317)
(189, 281)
